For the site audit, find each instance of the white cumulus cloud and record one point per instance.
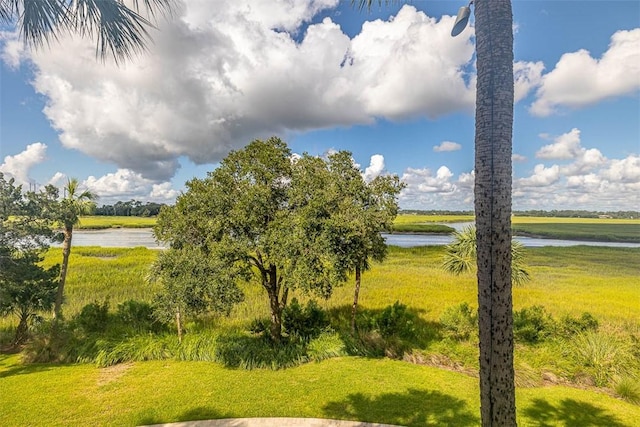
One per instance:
(218, 77)
(375, 168)
(19, 165)
(447, 146)
(579, 80)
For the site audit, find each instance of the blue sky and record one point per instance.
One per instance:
(389, 85)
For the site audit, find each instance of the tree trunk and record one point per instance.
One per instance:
(179, 325)
(494, 125)
(273, 290)
(66, 251)
(21, 330)
(354, 308)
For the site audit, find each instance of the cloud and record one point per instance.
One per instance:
(566, 146)
(579, 80)
(518, 158)
(447, 146)
(216, 78)
(375, 168)
(13, 51)
(20, 165)
(586, 179)
(542, 176)
(527, 76)
(125, 184)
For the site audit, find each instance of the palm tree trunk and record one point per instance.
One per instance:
(493, 141)
(66, 251)
(356, 294)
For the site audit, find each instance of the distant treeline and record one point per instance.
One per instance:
(553, 213)
(130, 208)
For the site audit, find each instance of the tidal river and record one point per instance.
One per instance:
(131, 237)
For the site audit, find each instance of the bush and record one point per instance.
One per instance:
(303, 322)
(139, 316)
(532, 324)
(569, 326)
(395, 321)
(460, 322)
(93, 317)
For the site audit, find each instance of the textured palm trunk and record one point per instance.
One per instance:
(493, 142)
(356, 294)
(66, 251)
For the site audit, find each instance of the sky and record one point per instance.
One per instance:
(390, 85)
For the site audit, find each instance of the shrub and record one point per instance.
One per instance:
(532, 324)
(395, 321)
(569, 326)
(460, 321)
(93, 317)
(303, 322)
(139, 316)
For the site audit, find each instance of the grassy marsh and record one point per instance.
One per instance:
(565, 281)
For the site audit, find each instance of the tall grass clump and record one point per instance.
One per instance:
(628, 389)
(602, 356)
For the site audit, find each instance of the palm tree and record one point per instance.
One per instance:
(460, 256)
(116, 27)
(492, 192)
(72, 205)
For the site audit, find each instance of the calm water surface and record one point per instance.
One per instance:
(132, 237)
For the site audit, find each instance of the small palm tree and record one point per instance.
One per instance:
(118, 28)
(72, 205)
(460, 256)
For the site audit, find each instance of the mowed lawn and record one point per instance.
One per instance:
(374, 390)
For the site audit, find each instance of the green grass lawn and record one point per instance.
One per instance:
(374, 390)
(566, 281)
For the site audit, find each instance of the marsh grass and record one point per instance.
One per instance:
(103, 222)
(565, 281)
(607, 232)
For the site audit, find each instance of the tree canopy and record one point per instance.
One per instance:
(286, 221)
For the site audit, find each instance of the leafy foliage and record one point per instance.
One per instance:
(292, 223)
(532, 324)
(460, 256)
(460, 321)
(117, 26)
(304, 322)
(192, 284)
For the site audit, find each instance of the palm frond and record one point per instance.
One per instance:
(368, 3)
(119, 30)
(41, 20)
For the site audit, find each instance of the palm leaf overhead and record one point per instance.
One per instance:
(118, 29)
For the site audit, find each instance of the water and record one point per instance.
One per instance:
(131, 237)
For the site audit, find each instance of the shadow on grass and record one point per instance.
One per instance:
(569, 412)
(194, 414)
(412, 408)
(20, 369)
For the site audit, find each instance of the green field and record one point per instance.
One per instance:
(554, 388)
